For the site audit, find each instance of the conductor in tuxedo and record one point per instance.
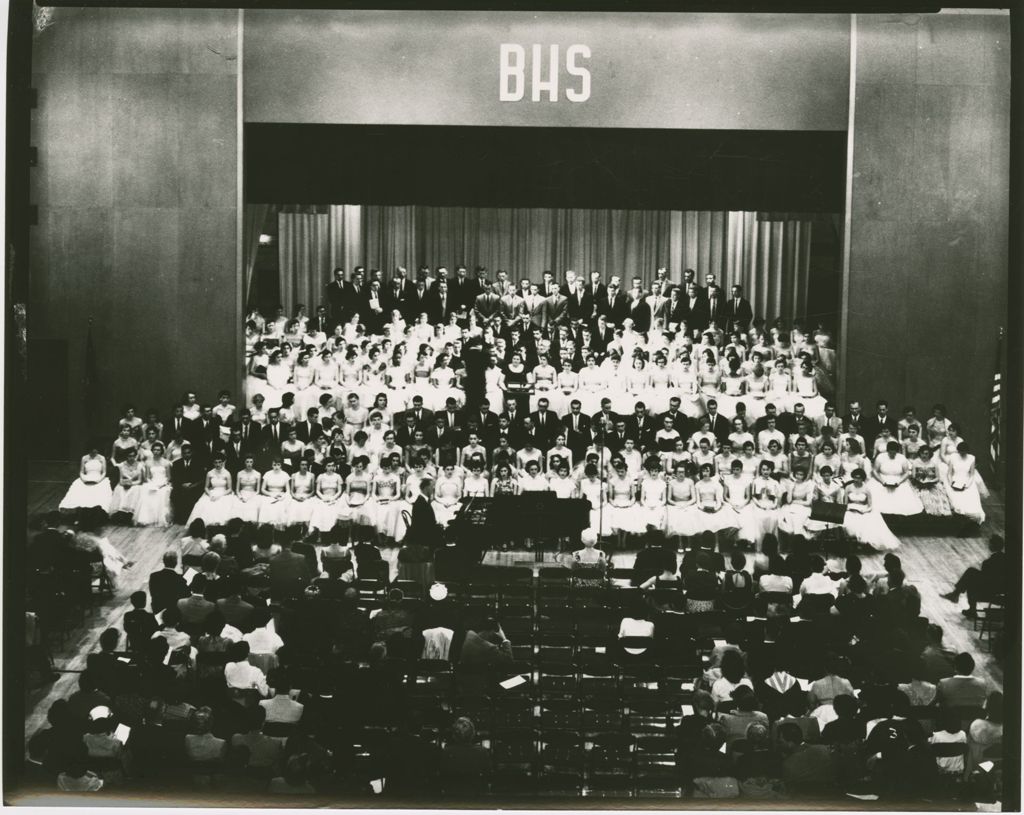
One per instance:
(738, 309)
(334, 293)
(188, 479)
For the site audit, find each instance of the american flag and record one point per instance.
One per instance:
(995, 411)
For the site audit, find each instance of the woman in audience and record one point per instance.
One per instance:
(949, 731)
(733, 674)
(92, 487)
(985, 735)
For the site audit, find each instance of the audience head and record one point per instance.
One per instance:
(963, 664)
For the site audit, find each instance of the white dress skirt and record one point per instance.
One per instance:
(299, 512)
(95, 491)
(814, 404)
(963, 492)
(723, 518)
(216, 507)
(325, 515)
(155, 498)
(793, 517)
(274, 507)
(247, 503)
(357, 505)
(447, 489)
(125, 499)
(868, 527)
(901, 500)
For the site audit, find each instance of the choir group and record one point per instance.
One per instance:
(670, 408)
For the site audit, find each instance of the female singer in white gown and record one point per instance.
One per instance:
(593, 386)
(735, 514)
(215, 506)
(687, 387)
(765, 495)
(625, 516)
(275, 487)
(247, 492)
(155, 494)
(327, 502)
(862, 521)
(827, 490)
(303, 488)
(682, 521)
(447, 495)
(805, 391)
(592, 489)
(92, 487)
(710, 499)
(962, 485)
(545, 384)
(890, 485)
(653, 495)
(796, 511)
(128, 490)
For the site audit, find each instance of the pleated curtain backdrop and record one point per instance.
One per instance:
(303, 252)
(768, 254)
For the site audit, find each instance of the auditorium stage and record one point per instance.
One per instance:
(933, 564)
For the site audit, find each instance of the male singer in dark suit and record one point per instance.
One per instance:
(355, 295)
(177, 426)
(716, 305)
(657, 304)
(871, 429)
(486, 304)
(202, 428)
(418, 302)
(536, 306)
(514, 415)
(547, 423)
(640, 427)
(485, 418)
(321, 321)
(188, 480)
(251, 432)
(579, 304)
(463, 289)
(738, 309)
(274, 433)
(680, 421)
(424, 416)
(598, 293)
(577, 430)
(637, 308)
(613, 305)
(720, 425)
(334, 293)
(235, 452)
(441, 304)
(311, 429)
(556, 310)
(695, 310)
(510, 305)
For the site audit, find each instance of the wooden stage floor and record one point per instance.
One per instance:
(933, 564)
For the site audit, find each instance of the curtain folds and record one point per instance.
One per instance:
(767, 253)
(252, 226)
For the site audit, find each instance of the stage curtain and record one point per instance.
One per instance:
(252, 226)
(767, 253)
(304, 257)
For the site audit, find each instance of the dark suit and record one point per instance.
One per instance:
(717, 309)
(439, 312)
(579, 305)
(486, 306)
(334, 292)
(872, 428)
(464, 291)
(658, 307)
(184, 498)
(202, 428)
(273, 435)
(355, 299)
(510, 306)
(615, 309)
(738, 310)
(547, 430)
(577, 433)
(416, 304)
(309, 431)
(488, 421)
(325, 324)
(166, 588)
(556, 310)
(595, 295)
(424, 419)
(236, 453)
(695, 313)
(639, 311)
(194, 609)
(614, 442)
(642, 434)
(720, 426)
(515, 421)
(252, 435)
(176, 426)
(680, 421)
(289, 574)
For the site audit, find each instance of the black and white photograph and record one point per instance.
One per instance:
(554, 406)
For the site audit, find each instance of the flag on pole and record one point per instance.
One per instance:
(996, 407)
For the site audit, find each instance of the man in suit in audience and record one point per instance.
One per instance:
(738, 310)
(871, 429)
(720, 426)
(486, 304)
(577, 429)
(288, 572)
(985, 582)
(962, 689)
(335, 293)
(694, 310)
(166, 586)
(195, 608)
(374, 312)
(546, 421)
